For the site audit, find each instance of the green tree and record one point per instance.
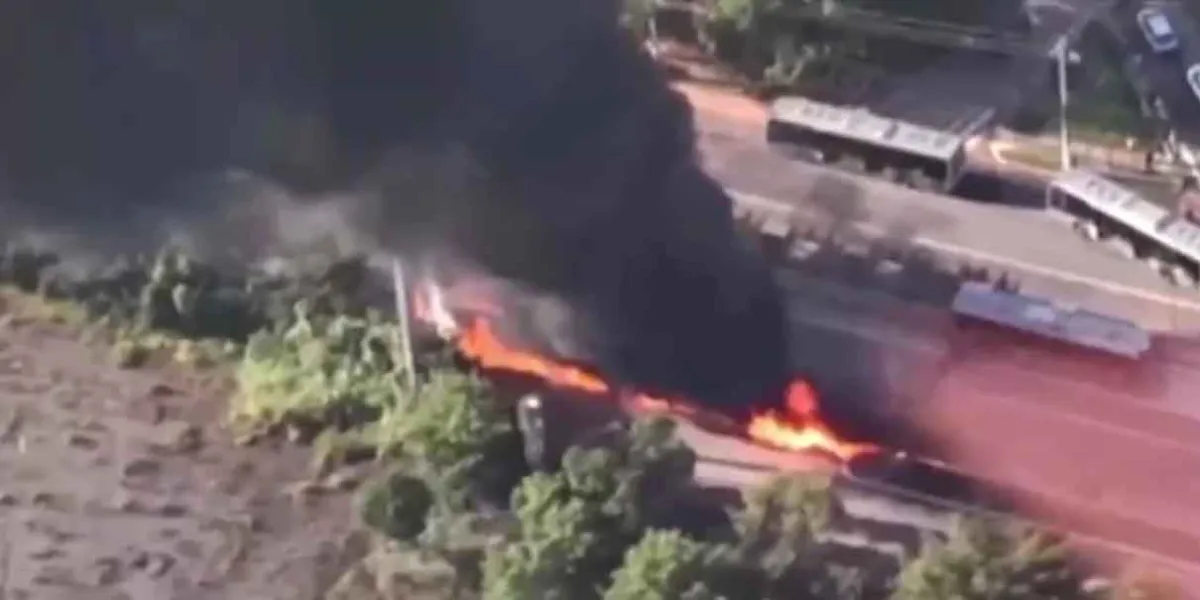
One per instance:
(556, 534)
(605, 498)
(780, 521)
(664, 565)
(986, 561)
(780, 530)
(397, 505)
(455, 433)
(652, 465)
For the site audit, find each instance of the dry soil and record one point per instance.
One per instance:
(118, 483)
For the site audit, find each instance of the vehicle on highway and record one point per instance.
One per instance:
(978, 303)
(1193, 80)
(862, 142)
(1102, 209)
(1157, 29)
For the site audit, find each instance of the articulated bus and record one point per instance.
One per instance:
(859, 141)
(1105, 210)
(1000, 327)
(1031, 318)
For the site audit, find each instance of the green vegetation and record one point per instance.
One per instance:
(333, 370)
(1108, 108)
(822, 46)
(983, 560)
(457, 514)
(664, 565)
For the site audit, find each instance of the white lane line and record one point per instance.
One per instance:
(787, 210)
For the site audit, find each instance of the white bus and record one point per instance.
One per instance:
(1102, 209)
(1032, 317)
(863, 142)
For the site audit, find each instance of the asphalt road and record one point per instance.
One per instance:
(1001, 232)
(1111, 455)
(1105, 450)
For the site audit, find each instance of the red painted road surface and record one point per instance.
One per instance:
(1110, 456)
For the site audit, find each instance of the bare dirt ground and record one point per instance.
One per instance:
(712, 101)
(714, 93)
(123, 484)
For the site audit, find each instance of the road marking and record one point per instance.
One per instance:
(978, 255)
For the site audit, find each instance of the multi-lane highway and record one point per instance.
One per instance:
(1110, 453)
(1007, 235)
(1116, 463)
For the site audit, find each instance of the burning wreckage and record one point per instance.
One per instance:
(474, 315)
(494, 324)
(487, 321)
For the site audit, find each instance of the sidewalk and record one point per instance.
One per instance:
(1042, 153)
(1042, 160)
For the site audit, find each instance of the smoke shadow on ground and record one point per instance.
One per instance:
(989, 186)
(867, 325)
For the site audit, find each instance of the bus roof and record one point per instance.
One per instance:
(862, 125)
(1126, 206)
(1045, 318)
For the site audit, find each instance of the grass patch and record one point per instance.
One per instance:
(1033, 156)
(317, 372)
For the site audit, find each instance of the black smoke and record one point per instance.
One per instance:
(529, 135)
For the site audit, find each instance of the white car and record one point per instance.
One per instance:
(1158, 30)
(1193, 79)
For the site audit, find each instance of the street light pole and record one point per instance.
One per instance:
(404, 333)
(1064, 137)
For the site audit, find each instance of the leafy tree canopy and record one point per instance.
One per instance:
(664, 565)
(984, 561)
(576, 525)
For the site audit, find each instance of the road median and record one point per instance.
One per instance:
(1154, 309)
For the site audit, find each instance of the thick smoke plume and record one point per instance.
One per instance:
(528, 135)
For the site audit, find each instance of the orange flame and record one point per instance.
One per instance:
(479, 343)
(799, 427)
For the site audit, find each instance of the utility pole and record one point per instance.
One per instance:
(1064, 136)
(404, 333)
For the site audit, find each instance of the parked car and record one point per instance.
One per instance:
(1193, 79)
(1158, 30)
